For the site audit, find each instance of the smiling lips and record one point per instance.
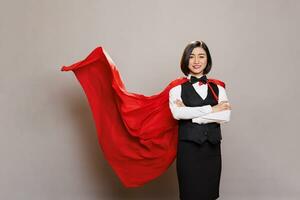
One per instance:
(197, 66)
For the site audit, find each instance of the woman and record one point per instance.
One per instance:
(200, 105)
(138, 133)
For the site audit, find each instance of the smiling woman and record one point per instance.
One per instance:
(199, 105)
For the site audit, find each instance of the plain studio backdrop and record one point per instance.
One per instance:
(49, 148)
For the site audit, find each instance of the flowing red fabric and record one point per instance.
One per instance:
(137, 133)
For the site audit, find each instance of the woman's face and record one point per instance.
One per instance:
(198, 61)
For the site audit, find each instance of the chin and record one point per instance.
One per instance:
(196, 72)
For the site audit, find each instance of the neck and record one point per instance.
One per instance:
(197, 75)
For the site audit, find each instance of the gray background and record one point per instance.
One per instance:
(48, 145)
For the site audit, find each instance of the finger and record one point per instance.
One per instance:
(224, 102)
(178, 104)
(229, 107)
(225, 107)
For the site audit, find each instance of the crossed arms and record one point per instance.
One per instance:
(200, 114)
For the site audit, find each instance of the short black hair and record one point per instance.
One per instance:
(184, 63)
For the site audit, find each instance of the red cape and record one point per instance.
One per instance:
(137, 133)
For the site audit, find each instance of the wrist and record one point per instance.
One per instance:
(213, 109)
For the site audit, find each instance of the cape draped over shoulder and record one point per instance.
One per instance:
(137, 133)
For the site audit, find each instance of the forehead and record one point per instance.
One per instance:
(198, 50)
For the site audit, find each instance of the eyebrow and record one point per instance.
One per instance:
(198, 54)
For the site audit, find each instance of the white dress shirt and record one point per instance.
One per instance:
(198, 114)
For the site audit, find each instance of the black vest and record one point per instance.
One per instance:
(191, 131)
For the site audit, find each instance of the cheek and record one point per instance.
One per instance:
(204, 60)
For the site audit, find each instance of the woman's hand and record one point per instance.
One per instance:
(223, 105)
(179, 103)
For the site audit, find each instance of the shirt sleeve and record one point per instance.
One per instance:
(201, 120)
(185, 112)
(219, 117)
(222, 94)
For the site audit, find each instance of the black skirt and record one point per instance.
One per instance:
(198, 170)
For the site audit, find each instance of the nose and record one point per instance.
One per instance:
(196, 60)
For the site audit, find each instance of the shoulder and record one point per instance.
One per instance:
(175, 85)
(217, 82)
(221, 89)
(175, 90)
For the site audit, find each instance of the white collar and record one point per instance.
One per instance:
(189, 76)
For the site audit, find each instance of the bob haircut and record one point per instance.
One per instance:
(184, 63)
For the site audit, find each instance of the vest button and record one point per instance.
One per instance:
(205, 133)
